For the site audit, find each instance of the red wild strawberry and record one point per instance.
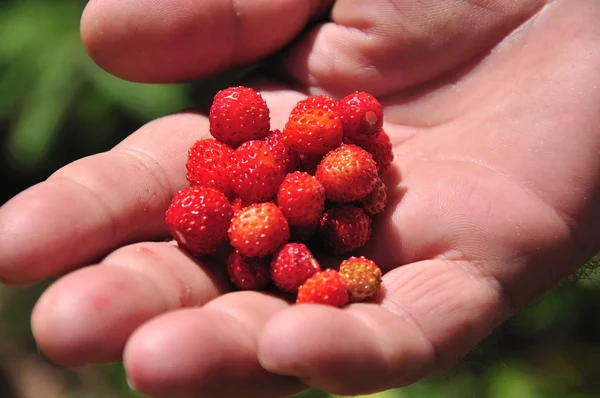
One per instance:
(198, 218)
(344, 228)
(237, 115)
(376, 201)
(362, 278)
(326, 287)
(255, 172)
(313, 132)
(361, 115)
(301, 198)
(288, 159)
(315, 102)
(348, 174)
(380, 147)
(259, 230)
(248, 273)
(292, 265)
(208, 164)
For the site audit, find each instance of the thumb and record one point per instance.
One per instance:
(382, 46)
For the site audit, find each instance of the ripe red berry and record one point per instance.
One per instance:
(326, 287)
(313, 132)
(198, 218)
(286, 157)
(248, 273)
(301, 198)
(344, 228)
(292, 265)
(362, 278)
(376, 201)
(259, 230)
(237, 115)
(209, 163)
(255, 172)
(348, 174)
(361, 115)
(380, 147)
(315, 102)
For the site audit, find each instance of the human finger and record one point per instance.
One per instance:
(429, 314)
(208, 351)
(97, 203)
(88, 315)
(165, 41)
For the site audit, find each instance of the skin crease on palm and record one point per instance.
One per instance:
(494, 110)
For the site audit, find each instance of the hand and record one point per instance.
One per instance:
(494, 109)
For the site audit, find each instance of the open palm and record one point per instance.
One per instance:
(493, 108)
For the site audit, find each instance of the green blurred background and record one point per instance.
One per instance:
(56, 106)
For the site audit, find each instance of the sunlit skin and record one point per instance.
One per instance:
(494, 110)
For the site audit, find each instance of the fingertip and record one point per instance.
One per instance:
(30, 247)
(150, 41)
(155, 356)
(324, 347)
(96, 37)
(74, 326)
(204, 352)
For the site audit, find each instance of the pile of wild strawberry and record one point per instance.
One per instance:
(271, 195)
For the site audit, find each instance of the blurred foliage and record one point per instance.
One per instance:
(56, 105)
(48, 81)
